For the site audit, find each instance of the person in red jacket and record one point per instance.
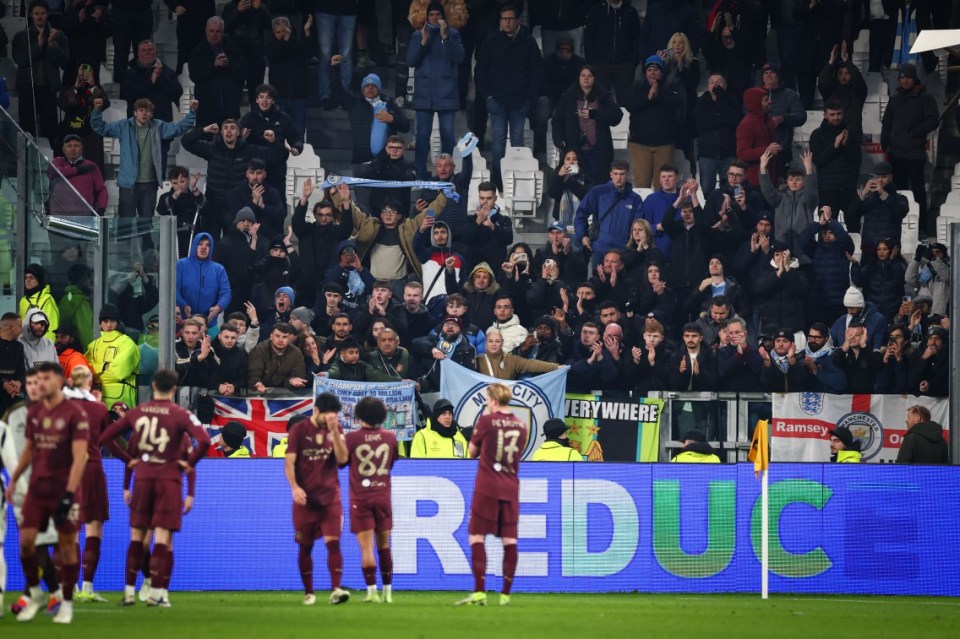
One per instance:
(83, 174)
(755, 134)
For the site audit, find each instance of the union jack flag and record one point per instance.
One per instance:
(264, 419)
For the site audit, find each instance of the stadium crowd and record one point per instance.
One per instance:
(744, 279)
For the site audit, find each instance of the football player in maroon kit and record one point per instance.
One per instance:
(499, 438)
(154, 452)
(372, 451)
(56, 449)
(315, 450)
(96, 507)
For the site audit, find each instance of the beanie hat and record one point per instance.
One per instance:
(909, 71)
(455, 319)
(554, 428)
(109, 311)
(38, 272)
(304, 314)
(233, 434)
(843, 434)
(373, 79)
(288, 291)
(772, 66)
(246, 213)
(694, 435)
(653, 60)
(853, 298)
(436, 6)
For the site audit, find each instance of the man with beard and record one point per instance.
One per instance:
(389, 358)
(450, 343)
(341, 329)
(586, 305)
(67, 354)
(13, 364)
(844, 449)
(230, 377)
(824, 375)
(347, 365)
(836, 154)
(783, 371)
(929, 372)
(36, 347)
(696, 450)
(276, 363)
(263, 199)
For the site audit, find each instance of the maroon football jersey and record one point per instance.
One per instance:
(373, 452)
(501, 438)
(316, 466)
(158, 429)
(99, 419)
(53, 432)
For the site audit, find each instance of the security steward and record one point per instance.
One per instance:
(556, 447)
(696, 450)
(844, 448)
(441, 438)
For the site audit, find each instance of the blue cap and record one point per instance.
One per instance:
(373, 79)
(655, 60)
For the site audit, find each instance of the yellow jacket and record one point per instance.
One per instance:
(428, 443)
(43, 300)
(556, 452)
(280, 449)
(241, 453)
(690, 457)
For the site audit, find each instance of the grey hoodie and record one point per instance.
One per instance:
(36, 349)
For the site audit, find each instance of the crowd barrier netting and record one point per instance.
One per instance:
(586, 528)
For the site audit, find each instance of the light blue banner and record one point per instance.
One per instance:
(535, 400)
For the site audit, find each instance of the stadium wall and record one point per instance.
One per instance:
(586, 527)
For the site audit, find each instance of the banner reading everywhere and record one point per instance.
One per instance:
(614, 426)
(802, 421)
(535, 400)
(399, 397)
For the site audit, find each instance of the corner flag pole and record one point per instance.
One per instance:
(760, 456)
(765, 536)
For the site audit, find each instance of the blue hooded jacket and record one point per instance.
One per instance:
(201, 284)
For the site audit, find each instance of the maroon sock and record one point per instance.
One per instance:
(509, 567)
(386, 566)
(305, 562)
(169, 573)
(369, 575)
(57, 563)
(91, 558)
(334, 563)
(158, 566)
(145, 561)
(31, 569)
(479, 555)
(70, 572)
(134, 561)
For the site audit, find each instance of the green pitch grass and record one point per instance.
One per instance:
(270, 615)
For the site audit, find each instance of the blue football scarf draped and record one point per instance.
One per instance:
(446, 188)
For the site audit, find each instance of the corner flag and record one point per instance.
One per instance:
(760, 447)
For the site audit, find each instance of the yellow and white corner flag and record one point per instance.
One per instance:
(760, 447)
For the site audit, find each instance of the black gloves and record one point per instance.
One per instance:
(62, 514)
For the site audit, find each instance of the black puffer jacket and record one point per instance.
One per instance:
(909, 117)
(782, 299)
(883, 218)
(924, 444)
(716, 123)
(226, 167)
(837, 167)
(882, 283)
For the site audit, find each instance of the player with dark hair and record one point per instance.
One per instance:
(499, 438)
(372, 453)
(56, 449)
(315, 450)
(154, 452)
